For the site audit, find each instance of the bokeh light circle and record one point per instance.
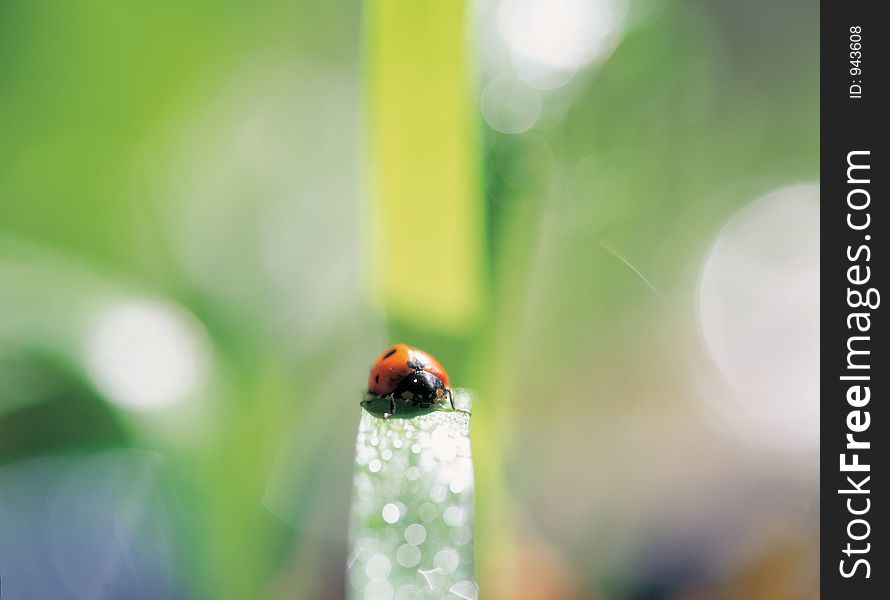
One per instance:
(146, 354)
(509, 105)
(758, 310)
(560, 35)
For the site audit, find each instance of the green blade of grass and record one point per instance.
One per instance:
(411, 530)
(422, 159)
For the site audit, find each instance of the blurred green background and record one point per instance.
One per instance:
(599, 214)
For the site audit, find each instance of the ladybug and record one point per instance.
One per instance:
(405, 381)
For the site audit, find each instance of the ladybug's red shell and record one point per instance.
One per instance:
(396, 363)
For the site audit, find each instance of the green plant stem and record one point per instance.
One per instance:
(411, 530)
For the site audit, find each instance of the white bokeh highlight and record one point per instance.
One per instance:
(145, 354)
(509, 105)
(758, 310)
(548, 40)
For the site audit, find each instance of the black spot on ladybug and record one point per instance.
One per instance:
(416, 364)
(376, 378)
(390, 353)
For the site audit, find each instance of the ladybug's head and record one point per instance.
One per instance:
(421, 387)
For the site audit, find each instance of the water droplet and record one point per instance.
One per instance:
(428, 512)
(438, 493)
(447, 559)
(453, 515)
(435, 579)
(378, 590)
(378, 567)
(391, 513)
(415, 534)
(408, 555)
(374, 466)
(467, 590)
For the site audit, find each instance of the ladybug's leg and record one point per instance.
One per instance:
(392, 405)
(451, 399)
